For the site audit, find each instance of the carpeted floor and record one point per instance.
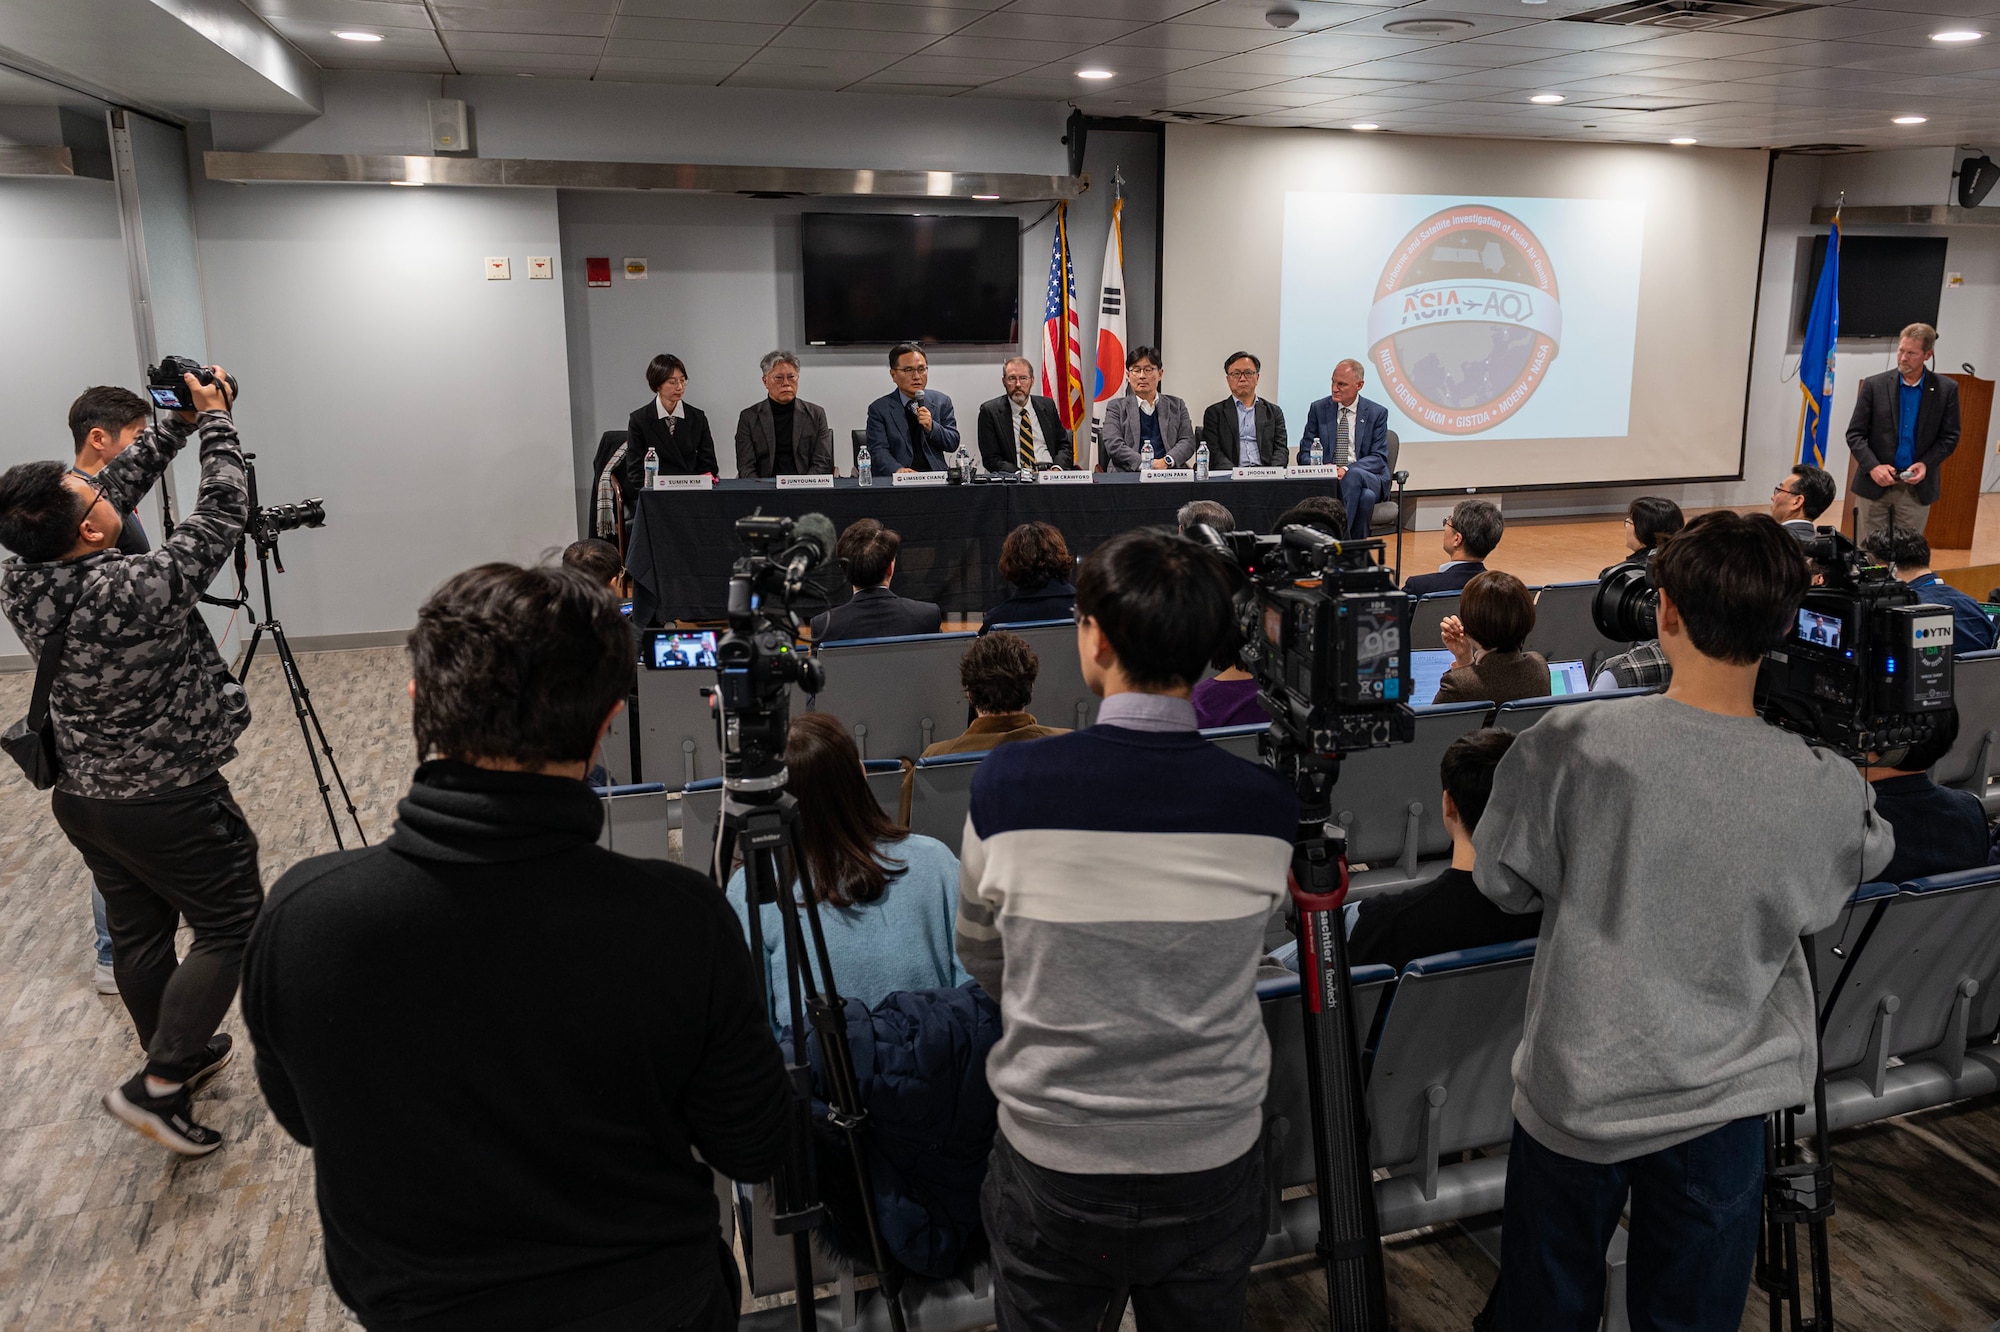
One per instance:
(100, 1229)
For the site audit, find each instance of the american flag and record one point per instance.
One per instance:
(1062, 339)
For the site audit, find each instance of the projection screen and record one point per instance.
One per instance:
(1532, 314)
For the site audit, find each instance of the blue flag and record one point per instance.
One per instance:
(1816, 360)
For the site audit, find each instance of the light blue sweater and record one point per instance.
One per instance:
(900, 941)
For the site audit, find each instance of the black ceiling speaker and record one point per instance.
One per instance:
(1074, 136)
(1976, 178)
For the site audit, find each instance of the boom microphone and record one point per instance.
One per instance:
(813, 540)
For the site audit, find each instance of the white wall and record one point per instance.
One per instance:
(67, 315)
(383, 372)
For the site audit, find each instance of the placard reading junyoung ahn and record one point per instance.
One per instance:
(1486, 318)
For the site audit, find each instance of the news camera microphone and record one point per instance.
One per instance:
(813, 540)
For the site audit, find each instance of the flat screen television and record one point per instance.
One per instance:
(1886, 283)
(897, 277)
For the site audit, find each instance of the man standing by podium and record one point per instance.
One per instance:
(1905, 425)
(1354, 433)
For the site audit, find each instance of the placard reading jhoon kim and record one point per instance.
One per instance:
(1477, 317)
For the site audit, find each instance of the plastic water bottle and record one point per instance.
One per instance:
(652, 467)
(1316, 454)
(1201, 463)
(864, 470)
(1146, 456)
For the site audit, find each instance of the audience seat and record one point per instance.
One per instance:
(855, 440)
(1522, 713)
(1564, 630)
(1974, 761)
(638, 819)
(677, 741)
(1238, 740)
(1388, 800)
(701, 808)
(940, 795)
(1430, 612)
(1061, 697)
(895, 695)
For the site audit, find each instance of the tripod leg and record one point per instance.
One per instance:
(302, 701)
(250, 654)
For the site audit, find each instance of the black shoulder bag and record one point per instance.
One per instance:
(31, 742)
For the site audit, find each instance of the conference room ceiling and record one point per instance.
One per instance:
(1813, 75)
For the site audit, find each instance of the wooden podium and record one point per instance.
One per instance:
(1957, 509)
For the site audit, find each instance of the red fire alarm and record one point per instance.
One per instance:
(597, 272)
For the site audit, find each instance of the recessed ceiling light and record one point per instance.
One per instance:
(1428, 27)
(1957, 35)
(1365, 125)
(1911, 120)
(406, 182)
(359, 36)
(1094, 74)
(988, 197)
(523, 74)
(1546, 99)
(1681, 142)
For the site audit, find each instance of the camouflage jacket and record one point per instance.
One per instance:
(142, 701)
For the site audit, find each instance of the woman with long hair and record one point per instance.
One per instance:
(888, 897)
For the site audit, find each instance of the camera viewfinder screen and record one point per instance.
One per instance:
(164, 397)
(683, 652)
(1819, 630)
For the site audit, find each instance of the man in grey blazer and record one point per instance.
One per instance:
(784, 435)
(1905, 424)
(1142, 415)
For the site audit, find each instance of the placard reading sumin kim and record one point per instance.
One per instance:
(1477, 317)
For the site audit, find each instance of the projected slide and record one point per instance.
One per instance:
(1479, 318)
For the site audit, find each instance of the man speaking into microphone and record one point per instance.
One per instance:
(911, 429)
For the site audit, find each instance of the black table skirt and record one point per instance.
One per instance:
(683, 542)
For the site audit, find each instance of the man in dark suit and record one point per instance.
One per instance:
(1244, 430)
(869, 550)
(1799, 500)
(1019, 428)
(676, 432)
(784, 435)
(1470, 534)
(1354, 434)
(911, 429)
(1905, 424)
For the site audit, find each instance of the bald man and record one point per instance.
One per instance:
(1354, 435)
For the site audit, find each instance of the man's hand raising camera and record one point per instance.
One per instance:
(210, 397)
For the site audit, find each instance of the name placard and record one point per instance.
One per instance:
(702, 482)
(1310, 470)
(1151, 475)
(816, 481)
(1067, 476)
(918, 479)
(1253, 474)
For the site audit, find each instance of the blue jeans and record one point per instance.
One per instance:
(1695, 1212)
(103, 930)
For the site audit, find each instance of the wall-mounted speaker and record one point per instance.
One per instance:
(448, 125)
(1976, 178)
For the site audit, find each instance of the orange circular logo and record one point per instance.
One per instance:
(1466, 321)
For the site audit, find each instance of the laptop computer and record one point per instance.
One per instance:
(1427, 668)
(1568, 677)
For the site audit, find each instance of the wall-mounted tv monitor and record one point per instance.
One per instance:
(897, 277)
(1887, 283)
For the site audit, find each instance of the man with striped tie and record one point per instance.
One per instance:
(1020, 428)
(1354, 433)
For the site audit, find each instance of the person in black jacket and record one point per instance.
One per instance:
(1449, 912)
(503, 1043)
(1471, 531)
(1020, 428)
(869, 550)
(1229, 427)
(1905, 424)
(1036, 561)
(1938, 829)
(677, 432)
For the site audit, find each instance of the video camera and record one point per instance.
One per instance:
(169, 391)
(1866, 666)
(788, 564)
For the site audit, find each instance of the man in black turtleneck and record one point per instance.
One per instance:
(502, 1042)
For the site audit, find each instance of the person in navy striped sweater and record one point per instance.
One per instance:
(1121, 933)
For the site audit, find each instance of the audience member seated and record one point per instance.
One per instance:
(911, 428)
(673, 430)
(784, 435)
(1496, 613)
(1648, 520)
(1325, 513)
(1229, 697)
(1197, 512)
(599, 561)
(503, 1043)
(1143, 415)
(1020, 429)
(1449, 912)
(868, 551)
(1677, 846)
(1938, 829)
(998, 674)
(1909, 554)
(1035, 561)
(887, 895)
(1470, 533)
(1244, 430)
(1799, 500)
(1643, 666)
(1115, 889)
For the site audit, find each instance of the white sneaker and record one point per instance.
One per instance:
(106, 982)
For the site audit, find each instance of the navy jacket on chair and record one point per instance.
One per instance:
(890, 447)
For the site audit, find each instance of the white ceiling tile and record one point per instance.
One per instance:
(451, 18)
(1718, 71)
(1053, 27)
(1350, 46)
(1827, 22)
(885, 45)
(332, 14)
(1323, 88)
(511, 62)
(1250, 14)
(1207, 78)
(1004, 48)
(1707, 45)
(740, 11)
(524, 43)
(1271, 61)
(1564, 36)
(886, 17)
(1591, 63)
(648, 28)
(958, 69)
(847, 66)
(617, 70)
(1617, 84)
(1194, 37)
(1513, 76)
(631, 48)
(1483, 25)
(1960, 8)
(1410, 69)
(1143, 60)
(1148, 11)
(397, 44)
(897, 86)
(544, 6)
(1478, 55)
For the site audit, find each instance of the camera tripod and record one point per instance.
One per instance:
(762, 818)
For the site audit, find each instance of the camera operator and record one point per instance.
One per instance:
(502, 1042)
(145, 715)
(1677, 846)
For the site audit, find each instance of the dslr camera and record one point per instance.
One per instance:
(169, 391)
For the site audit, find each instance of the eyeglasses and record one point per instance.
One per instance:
(1076, 614)
(1782, 489)
(911, 369)
(1241, 374)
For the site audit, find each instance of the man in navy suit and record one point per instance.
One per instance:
(869, 550)
(1354, 433)
(911, 429)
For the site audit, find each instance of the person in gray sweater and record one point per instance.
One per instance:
(1677, 847)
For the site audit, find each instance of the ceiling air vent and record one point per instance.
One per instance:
(1686, 15)
(1195, 117)
(1823, 149)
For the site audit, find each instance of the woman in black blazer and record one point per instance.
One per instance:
(677, 432)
